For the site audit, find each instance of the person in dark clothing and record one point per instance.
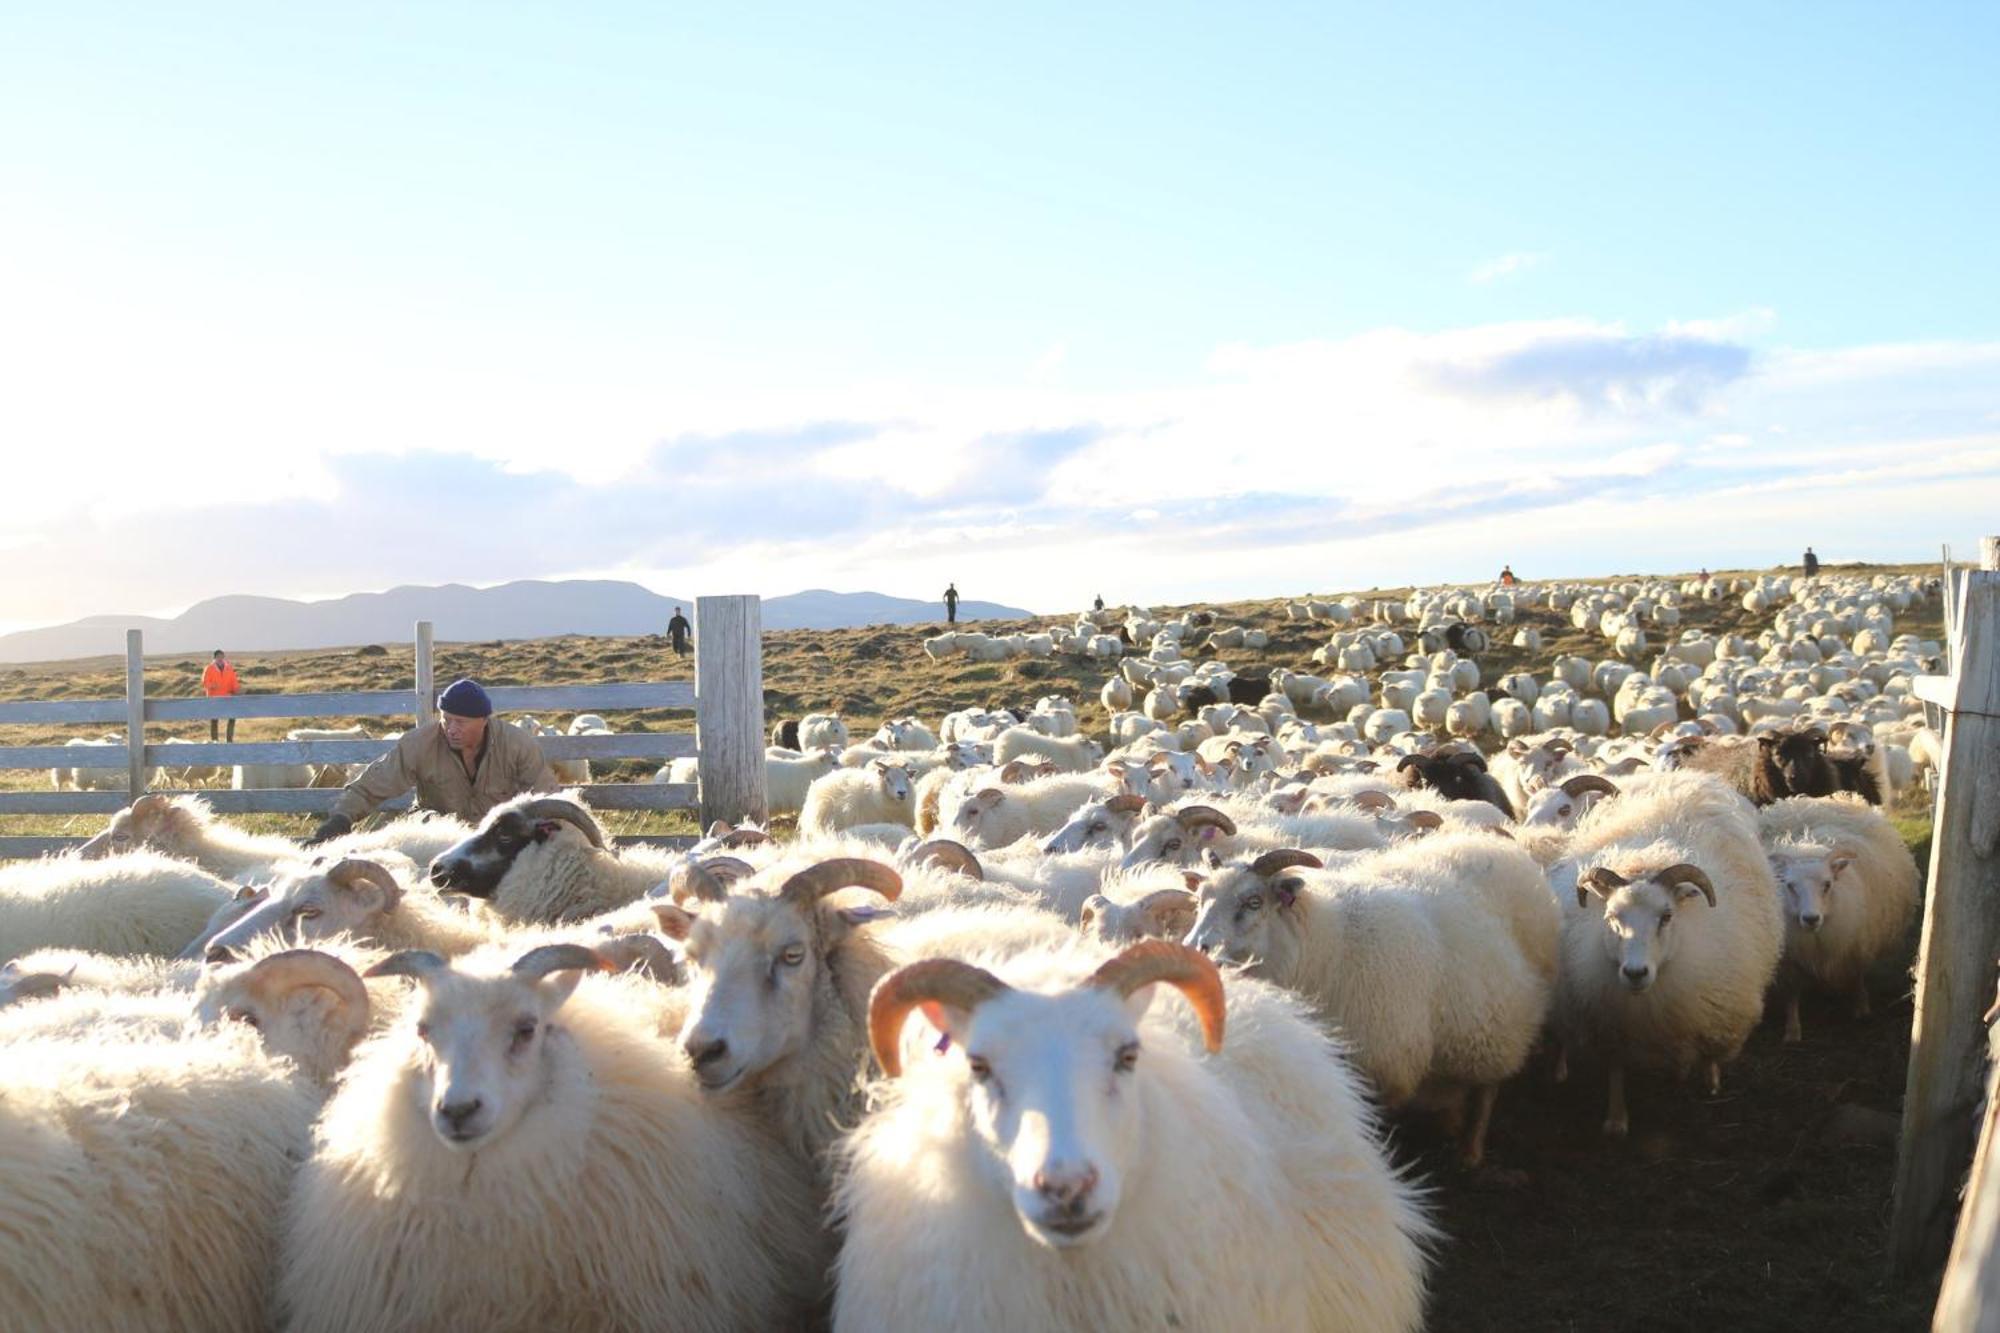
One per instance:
(1507, 579)
(1811, 562)
(951, 604)
(677, 630)
(1098, 603)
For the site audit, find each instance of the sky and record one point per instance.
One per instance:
(1164, 303)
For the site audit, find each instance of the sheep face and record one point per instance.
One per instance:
(1166, 914)
(483, 1044)
(1098, 824)
(1639, 920)
(757, 972)
(1171, 775)
(306, 1005)
(316, 903)
(1800, 759)
(477, 865)
(1808, 880)
(151, 821)
(975, 813)
(1177, 838)
(895, 780)
(1250, 919)
(1052, 1103)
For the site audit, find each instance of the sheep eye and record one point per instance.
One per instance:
(981, 1071)
(1254, 903)
(1174, 846)
(1665, 917)
(1097, 827)
(307, 913)
(793, 955)
(424, 1031)
(1128, 1056)
(524, 1032)
(245, 1016)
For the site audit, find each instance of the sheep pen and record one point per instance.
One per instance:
(1791, 1162)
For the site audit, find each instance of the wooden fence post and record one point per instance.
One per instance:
(135, 715)
(1961, 933)
(729, 708)
(426, 681)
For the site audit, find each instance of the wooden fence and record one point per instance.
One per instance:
(726, 698)
(1961, 926)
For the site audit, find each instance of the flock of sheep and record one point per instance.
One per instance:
(1024, 1028)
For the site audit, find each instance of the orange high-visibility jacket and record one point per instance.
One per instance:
(220, 679)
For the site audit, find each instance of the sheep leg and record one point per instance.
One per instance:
(1562, 1064)
(1861, 1008)
(1714, 1073)
(1617, 1123)
(1793, 1033)
(1473, 1150)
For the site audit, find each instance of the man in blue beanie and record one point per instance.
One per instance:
(463, 764)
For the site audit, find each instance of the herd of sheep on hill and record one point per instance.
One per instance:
(1024, 1028)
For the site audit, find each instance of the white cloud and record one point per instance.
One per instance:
(1505, 266)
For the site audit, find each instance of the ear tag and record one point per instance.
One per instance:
(943, 1044)
(546, 828)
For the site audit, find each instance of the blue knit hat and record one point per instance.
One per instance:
(464, 698)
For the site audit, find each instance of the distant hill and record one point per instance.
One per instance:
(528, 609)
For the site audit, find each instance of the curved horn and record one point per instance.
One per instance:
(34, 985)
(555, 807)
(1598, 879)
(935, 980)
(310, 967)
(1127, 804)
(947, 855)
(737, 839)
(1425, 819)
(354, 871)
(1373, 800)
(219, 955)
(539, 962)
(641, 953)
(1017, 771)
(1557, 747)
(419, 963)
(843, 872)
(1270, 863)
(1189, 971)
(1683, 873)
(1202, 816)
(707, 879)
(1584, 782)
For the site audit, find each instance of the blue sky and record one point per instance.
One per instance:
(1218, 302)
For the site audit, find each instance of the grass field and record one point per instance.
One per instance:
(1763, 1208)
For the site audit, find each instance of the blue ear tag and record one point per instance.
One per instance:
(944, 1044)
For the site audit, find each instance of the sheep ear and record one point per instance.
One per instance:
(1838, 862)
(1194, 879)
(1092, 907)
(948, 1019)
(675, 922)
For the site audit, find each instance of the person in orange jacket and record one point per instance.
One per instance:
(218, 681)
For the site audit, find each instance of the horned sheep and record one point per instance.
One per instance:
(1006, 1182)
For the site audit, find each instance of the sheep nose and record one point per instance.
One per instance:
(440, 873)
(1065, 1186)
(456, 1114)
(1639, 973)
(705, 1050)
(1811, 921)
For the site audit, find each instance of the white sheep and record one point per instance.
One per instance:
(788, 778)
(818, 731)
(359, 899)
(142, 903)
(1850, 888)
(1083, 1158)
(1673, 935)
(879, 793)
(185, 827)
(1436, 959)
(523, 1151)
(1074, 754)
(997, 814)
(146, 1174)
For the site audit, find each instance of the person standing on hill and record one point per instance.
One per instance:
(218, 681)
(1097, 603)
(1507, 579)
(463, 764)
(1811, 563)
(677, 630)
(951, 604)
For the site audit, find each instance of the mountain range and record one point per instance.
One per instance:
(527, 609)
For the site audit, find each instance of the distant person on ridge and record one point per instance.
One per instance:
(463, 764)
(1507, 579)
(218, 681)
(1811, 562)
(677, 630)
(951, 604)
(1098, 603)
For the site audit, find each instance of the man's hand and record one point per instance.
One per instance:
(334, 826)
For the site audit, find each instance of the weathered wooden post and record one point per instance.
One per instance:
(426, 681)
(729, 708)
(1961, 935)
(135, 715)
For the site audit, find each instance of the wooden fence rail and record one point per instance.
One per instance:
(727, 702)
